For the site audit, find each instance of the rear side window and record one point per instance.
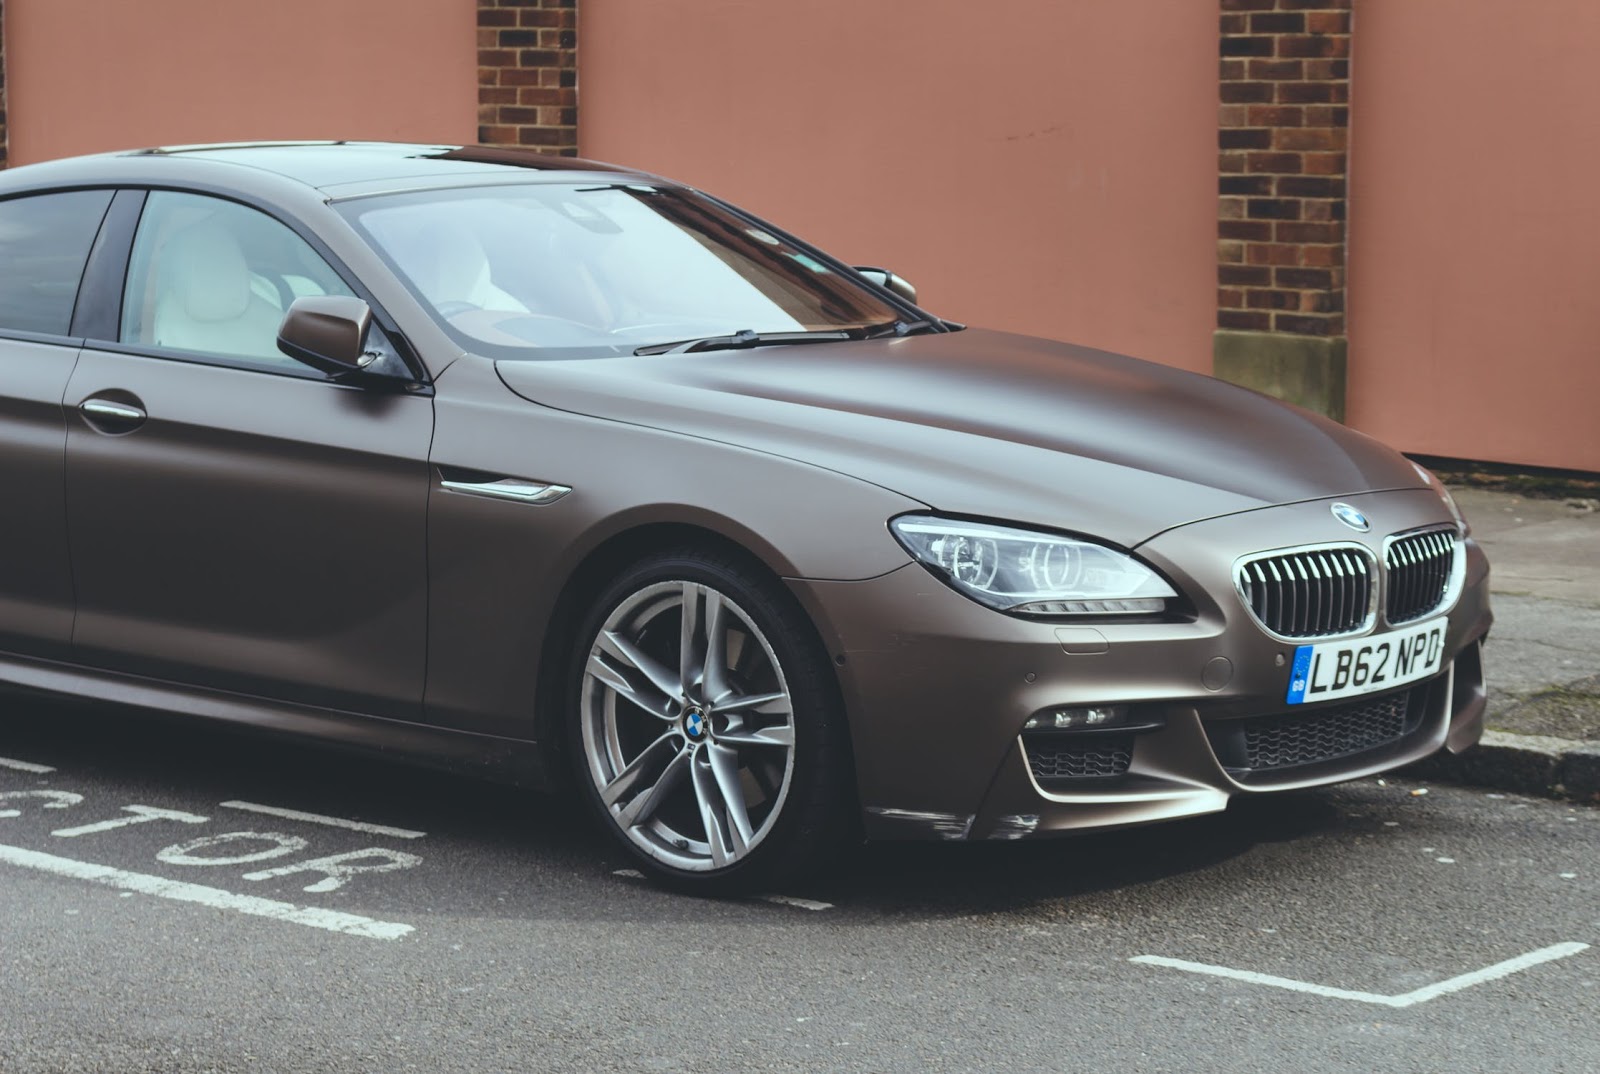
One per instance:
(44, 244)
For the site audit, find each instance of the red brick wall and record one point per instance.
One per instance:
(528, 74)
(2, 84)
(1282, 131)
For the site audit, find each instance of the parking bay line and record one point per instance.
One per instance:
(216, 898)
(319, 818)
(1407, 999)
(26, 766)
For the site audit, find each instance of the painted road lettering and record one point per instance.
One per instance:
(185, 853)
(52, 800)
(139, 814)
(337, 868)
(326, 873)
(216, 898)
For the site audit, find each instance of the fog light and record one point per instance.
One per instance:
(1077, 719)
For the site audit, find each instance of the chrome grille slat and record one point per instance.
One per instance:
(1419, 567)
(1308, 593)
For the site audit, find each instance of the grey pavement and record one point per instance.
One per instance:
(1375, 926)
(1542, 661)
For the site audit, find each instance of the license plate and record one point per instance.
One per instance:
(1337, 669)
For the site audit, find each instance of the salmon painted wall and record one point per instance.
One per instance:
(95, 75)
(1475, 229)
(1034, 165)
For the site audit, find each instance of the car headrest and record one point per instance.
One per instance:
(207, 272)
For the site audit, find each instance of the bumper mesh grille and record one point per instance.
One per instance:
(1419, 573)
(1053, 757)
(1287, 741)
(1309, 594)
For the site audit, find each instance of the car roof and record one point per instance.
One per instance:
(343, 169)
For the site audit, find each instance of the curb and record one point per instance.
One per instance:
(1526, 764)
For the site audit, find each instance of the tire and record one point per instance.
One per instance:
(716, 776)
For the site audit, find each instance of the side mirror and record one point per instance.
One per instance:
(884, 278)
(327, 333)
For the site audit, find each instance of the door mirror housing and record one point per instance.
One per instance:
(884, 278)
(328, 333)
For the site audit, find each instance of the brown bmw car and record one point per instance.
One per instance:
(555, 470)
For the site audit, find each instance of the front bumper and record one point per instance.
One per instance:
(937, 687)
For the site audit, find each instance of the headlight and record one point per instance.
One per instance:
(1016, 570)
(1437, 486)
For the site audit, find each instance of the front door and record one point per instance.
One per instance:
(44, 244)
(237, 521)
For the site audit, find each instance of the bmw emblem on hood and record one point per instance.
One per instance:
(1351, 517)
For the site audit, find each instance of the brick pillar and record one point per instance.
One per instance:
(5, 144)
(1282, 129)
(528, 74)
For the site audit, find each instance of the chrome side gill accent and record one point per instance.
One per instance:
(515, 489)
(1321, 591)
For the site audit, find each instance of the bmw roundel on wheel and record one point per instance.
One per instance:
(577, 476)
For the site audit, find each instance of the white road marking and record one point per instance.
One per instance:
(790, 900)
(141, 814)
(631, 874)
(26, 766)
(338, 868)
(1408, 999)
(184, 853)
(216, 898)
(52, 800)
(319, 818)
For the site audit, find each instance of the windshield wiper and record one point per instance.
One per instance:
(742, 339)
(898, 328)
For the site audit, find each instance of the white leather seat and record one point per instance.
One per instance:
(450, 265)
(204, 300)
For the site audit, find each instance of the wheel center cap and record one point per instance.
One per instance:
(694, 724)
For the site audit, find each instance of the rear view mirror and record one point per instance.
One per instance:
(327, 333)
(884, 278)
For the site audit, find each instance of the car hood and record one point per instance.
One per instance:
(990, 424)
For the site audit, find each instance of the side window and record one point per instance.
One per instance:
(214, 277)
(44, 244)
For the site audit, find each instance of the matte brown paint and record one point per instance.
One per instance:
(35, 574)
(277, 550)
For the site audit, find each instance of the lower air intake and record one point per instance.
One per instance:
(1059, 758)
(1288, 741)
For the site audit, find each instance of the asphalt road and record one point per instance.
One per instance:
(477, 928)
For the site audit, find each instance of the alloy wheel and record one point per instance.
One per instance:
(687, 726)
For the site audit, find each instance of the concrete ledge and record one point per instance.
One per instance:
(1526, 764)
(1308, 371)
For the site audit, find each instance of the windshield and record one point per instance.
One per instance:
(569, 270)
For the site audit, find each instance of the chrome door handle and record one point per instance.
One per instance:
(507, 488)
(104, 413)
